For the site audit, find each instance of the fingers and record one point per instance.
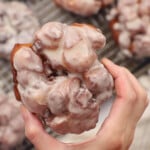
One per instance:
(140, 91)
(142, 96)
(118, 129)
(36, 134)
(123, 73)
(127, 89)
(128, 106)
(122, 85)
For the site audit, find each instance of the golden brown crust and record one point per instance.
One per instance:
(83, 7)
(50, 82)
(115, 33)
(14, 72)
(17, 24)
(82, 25)
(131, 28)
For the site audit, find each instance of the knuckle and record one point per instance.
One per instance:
(117, 144)
(125, 69)
(122, 70)
(147, 101)
(31, 133)
(144, 97)
(143, 93)
(132, 98)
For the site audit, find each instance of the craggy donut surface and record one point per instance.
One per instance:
(130, 23)
(17, 25)
(60, 78)
(11, 123)
(83, 7)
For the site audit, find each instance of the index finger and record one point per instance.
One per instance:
(123, 86)
(124, 103)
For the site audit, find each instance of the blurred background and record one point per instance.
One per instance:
(45, 11)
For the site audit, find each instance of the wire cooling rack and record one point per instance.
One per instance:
(45, 11)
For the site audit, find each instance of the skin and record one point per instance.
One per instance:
(118, 129)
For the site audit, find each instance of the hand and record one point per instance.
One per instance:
(118, 129)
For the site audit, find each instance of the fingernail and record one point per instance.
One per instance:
(106, 59)
(24, 112)
(103, 59)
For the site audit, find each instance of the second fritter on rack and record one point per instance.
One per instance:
(17, 24)
(83, 7)
(130, 24)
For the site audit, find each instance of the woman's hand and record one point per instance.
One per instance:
(118, 129)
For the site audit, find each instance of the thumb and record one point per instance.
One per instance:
(36, 134)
